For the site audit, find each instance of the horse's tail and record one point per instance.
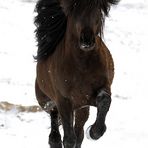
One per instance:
(50, 27)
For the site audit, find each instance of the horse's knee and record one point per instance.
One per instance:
(103, 101)
(69, 142)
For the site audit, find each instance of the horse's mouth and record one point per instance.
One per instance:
(85, 47)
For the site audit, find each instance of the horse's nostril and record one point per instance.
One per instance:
(85, 46)
(87, 40)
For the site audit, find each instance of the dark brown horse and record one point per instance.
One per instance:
(75, 69)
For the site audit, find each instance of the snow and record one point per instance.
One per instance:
(125, 35)
(16, 51)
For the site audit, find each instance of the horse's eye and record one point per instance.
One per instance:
(97, 21)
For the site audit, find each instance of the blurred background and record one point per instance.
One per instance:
(23, 123)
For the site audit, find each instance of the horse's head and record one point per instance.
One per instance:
(87, 17)
(87, 28)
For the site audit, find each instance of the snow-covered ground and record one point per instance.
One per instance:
(126, 35)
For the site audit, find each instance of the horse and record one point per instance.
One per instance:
(75, 69)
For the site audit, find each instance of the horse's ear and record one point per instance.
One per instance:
(106, 4)
(67, 5)
(64, 5)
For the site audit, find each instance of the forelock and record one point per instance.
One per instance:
(76, 6)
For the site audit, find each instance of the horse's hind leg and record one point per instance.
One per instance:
(103, 102)
(81, 116)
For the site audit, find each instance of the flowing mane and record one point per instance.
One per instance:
(51, 20)
(51, 27)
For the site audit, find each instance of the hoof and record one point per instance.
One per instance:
(88, 134)
(95, 134)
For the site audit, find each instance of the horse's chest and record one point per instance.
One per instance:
(82, 83)
(82, 89)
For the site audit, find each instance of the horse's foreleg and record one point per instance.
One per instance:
(55, 137)
(103, 102)
(49, 106)
(81, 116)
(66, 112)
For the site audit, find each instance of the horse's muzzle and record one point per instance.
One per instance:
(87, 40)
